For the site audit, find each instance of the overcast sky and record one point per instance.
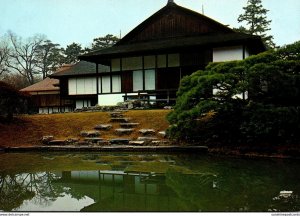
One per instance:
(80, 21)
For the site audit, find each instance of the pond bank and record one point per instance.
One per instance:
(26, 132)
(123, 148)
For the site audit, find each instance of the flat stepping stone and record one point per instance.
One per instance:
(162, 134)
(121, 120)
(90, 133)
(137, 143)
(123, 131)
(119, 141)
(147, 139)
(82, 143)
(104, 127)
(147, 131)
(47, 139)
(159, 142)
(103, 142)
(72, 140)
(93, 140)
(116, 115)
(57, 142)
(129, 125)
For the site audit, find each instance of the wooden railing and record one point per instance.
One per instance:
(148, 96)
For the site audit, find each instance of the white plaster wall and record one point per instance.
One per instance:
(150, 79)
(228, 54)
(116, 82)
(90, 85)
(72, 86)
(82, 86)
(110, 99)
(137, 80)
(106, 84)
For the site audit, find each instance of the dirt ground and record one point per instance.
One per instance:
(27, 130)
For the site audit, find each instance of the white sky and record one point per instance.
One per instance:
(80, 21)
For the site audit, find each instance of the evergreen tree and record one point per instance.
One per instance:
(255, 16)
(49, 57)
(104, 42)
(72, 52)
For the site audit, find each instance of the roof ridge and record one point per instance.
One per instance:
(170, 5)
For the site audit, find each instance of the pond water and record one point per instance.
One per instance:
(146, 182)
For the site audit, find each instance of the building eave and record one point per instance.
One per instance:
(174, 45)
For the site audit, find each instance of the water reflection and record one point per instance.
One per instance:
(126, 182)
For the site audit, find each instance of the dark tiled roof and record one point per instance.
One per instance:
(174, 44)
(81, 68)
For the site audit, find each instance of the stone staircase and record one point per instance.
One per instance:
(124, 127)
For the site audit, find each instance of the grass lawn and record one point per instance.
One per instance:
(27, 130)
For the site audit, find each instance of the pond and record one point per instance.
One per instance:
(146, 182)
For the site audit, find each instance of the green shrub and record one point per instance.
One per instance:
(212, 105)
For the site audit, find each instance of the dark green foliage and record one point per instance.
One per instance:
(72, 52)
(255, 17)
(50, 57)
(11, 101)
(254, 100)
(104, 42)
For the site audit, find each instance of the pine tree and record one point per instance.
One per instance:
(255, 16)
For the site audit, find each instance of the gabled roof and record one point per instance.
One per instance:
(173, 21)
(45, 85)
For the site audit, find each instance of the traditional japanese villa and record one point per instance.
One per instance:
(46, 97)
(149, 62)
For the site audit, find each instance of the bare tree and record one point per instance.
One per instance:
(23, 57)
(4, 53)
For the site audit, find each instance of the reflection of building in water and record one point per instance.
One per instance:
(120, 191)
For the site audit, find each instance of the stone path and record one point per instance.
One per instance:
(93, 137)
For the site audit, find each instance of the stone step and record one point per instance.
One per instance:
(123, 131)
(103, 127)
(71, 141)
(137, 143)
(159, 142)
(147, 139)
(57, 142)
(103, 142)
(116, 115)
(120, 120)
(146, 132)
(129, 125)
(119, 141)
(47, 139)
(162, 134)
(90, 133)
